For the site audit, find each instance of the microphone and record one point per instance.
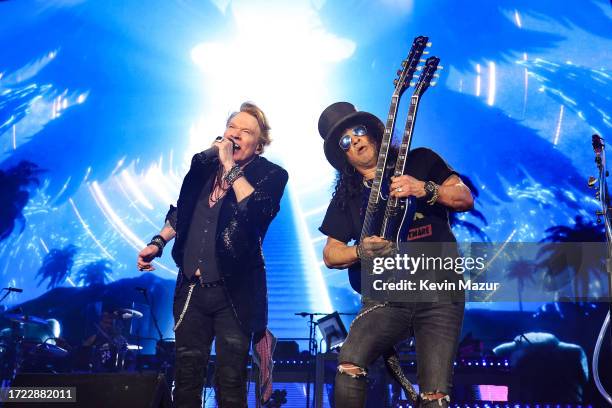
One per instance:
(213, 151)
(14, 290)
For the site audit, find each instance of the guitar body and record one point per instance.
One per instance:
(400, 220)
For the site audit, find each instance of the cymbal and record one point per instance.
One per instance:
(127, 314)
(24, 318)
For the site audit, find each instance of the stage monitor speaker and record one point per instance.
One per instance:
(107, 390)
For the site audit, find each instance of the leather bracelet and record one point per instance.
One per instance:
(159, 239)
(233, 174)
(160, 243)
(358, 250)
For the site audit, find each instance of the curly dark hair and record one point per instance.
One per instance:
(349, 182)
(348, 185)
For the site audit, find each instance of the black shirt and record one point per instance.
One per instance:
(200, 249)
(430, 223)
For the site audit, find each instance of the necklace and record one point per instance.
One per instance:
(220, 186)
(219, 189)
(367, 183)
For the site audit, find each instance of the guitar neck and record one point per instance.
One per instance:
(400, 164)
(380, 168)
(409, 66)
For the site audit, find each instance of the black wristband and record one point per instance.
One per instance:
(160, 243)
(160, 239)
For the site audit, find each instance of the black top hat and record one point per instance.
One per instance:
(337, 117)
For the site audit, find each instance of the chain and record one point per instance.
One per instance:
(365, 312)
(180, 319)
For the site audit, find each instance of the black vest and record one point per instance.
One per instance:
(240, 233)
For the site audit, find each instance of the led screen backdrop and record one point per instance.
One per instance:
(103, 104)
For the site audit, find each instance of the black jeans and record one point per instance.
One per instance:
(436, 328)
(208, 314)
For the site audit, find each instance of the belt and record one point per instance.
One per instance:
(213, 284)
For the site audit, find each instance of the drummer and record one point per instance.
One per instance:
(107, 331)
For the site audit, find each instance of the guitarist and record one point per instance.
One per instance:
(351, 143)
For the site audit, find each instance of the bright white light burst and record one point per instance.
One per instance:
(280, 57)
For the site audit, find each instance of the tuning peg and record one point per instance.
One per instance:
(395, 82)
(404, 62)
(422, 60)
(599, 213)
(425, 52)
(591, 181)
(412, 84)
(433, 84)
(436, 75)
(440, 67)
(419, 68)
(428, 44)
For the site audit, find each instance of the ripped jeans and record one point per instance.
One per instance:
(208, 314)
(436, 328)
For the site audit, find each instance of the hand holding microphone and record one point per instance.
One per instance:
(213, 151)
(226, 148)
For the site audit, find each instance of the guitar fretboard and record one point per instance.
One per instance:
(400, 164)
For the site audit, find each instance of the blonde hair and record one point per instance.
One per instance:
(262, 121)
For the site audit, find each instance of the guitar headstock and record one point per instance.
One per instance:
(598, 144)
(410, 64)
(427, 74)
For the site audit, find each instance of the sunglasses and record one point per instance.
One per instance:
(346, 140)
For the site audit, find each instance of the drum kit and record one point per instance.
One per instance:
(106, 351)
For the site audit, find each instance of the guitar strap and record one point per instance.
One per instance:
(392, 363)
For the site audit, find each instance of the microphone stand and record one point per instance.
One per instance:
(8, 292)
(312, 346)
(159, 333)
(155, 323)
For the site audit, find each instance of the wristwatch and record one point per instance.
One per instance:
(431, 192)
